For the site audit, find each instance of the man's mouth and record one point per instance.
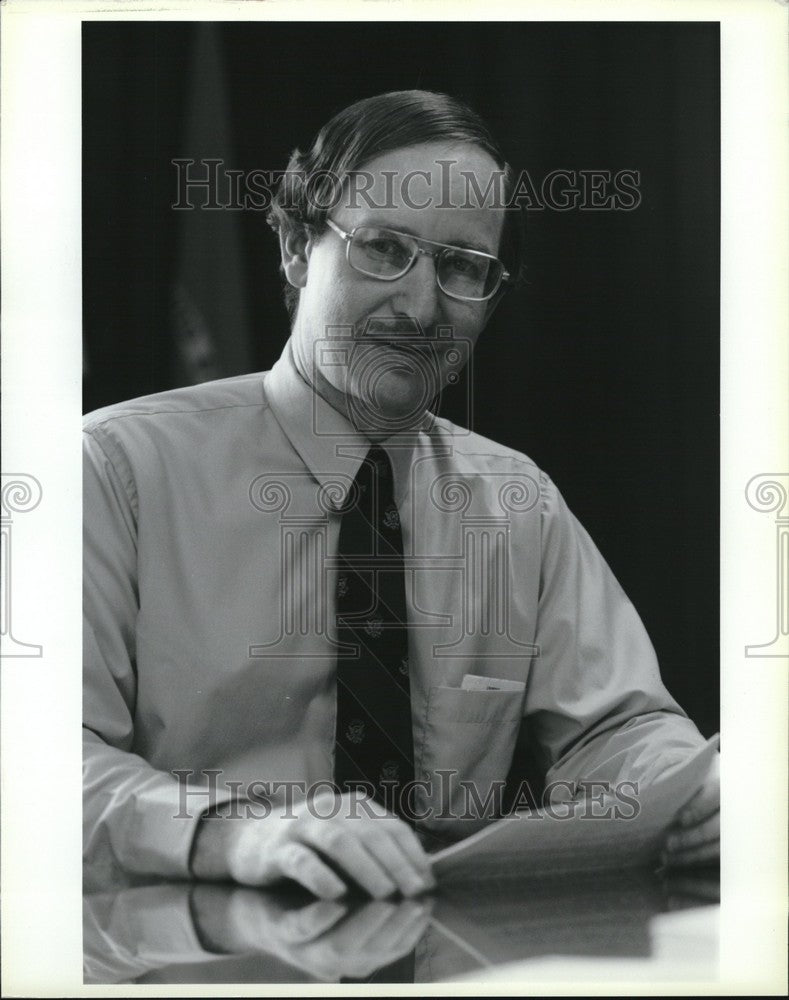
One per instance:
(401, 345)
(397, 336)
(398, 331)
(404, 343)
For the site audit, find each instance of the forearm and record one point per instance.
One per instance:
(131, 813)
(636, 749)
(596, 704)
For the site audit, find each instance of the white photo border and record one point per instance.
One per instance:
(41, 399)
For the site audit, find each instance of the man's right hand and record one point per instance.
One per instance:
(361, 840)
(327, 939)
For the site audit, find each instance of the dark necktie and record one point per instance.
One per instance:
(374, 742)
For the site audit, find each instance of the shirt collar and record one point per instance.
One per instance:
(328, 444)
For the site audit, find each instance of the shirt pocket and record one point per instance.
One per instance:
(469, 740)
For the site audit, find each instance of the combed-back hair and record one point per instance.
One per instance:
(370, 128)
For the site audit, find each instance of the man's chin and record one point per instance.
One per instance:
(399, 403)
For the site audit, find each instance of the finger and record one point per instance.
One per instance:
(703, 854)
(405, 926)
(309, 922)
(409, 879)
(409, 848)
(698, 810)
(681, 838)
(706, 801)
(688, 887)
(342, 845)
(298, 862)
(362, 924)
(410, 845)
(248, 918)
(337, 953)
(363, 942)
(400, 934)
(313, 958)
(382, 920)
(256, 919)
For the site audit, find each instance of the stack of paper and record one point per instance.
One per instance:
(578, 836)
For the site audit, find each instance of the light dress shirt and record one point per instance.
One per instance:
(211, 519)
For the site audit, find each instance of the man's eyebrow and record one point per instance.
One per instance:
(460, 244)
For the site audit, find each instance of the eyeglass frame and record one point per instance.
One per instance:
(347, 238)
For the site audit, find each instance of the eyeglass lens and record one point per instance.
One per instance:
(461, 273)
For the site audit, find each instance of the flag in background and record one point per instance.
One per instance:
(208, 298)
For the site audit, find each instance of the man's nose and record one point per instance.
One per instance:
(418, 295)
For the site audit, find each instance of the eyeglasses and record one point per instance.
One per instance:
(386, 254)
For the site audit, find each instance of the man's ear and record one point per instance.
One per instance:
(294, 248)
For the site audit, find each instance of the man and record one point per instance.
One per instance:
(303, 578)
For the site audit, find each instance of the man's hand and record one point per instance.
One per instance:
(324, 938)
(695, 837)
(361, 840)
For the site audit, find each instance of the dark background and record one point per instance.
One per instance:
(604, 368)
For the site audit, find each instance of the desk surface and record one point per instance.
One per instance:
(625, 926)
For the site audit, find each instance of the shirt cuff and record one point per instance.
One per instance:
(161, 828)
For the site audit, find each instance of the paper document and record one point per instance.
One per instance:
(578, 836)
(473, 682)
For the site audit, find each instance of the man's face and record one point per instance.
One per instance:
(374, 347)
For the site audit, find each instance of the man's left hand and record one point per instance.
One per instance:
(695, 837)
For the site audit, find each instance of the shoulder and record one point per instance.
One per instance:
(480, 454)
(236, 393)
(175, 432)
(511, 476)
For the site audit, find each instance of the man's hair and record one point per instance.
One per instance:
(370, 128)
